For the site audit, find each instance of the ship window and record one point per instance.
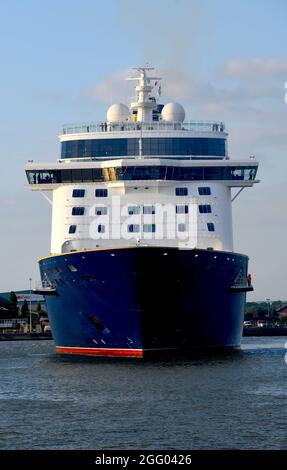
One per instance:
(181, 191)
(78, 211)
(204, 191)
(101, 193)
(101, 229)
(204, 209)
(105, 148)
(128, 173)
(181, 209)
(101, 210)
(149, 228)
(72, 268)
(132, 210)
(210, 227)
(181, 227)
(72, 229)
(78, 193)
(133, 228)
(149, 210)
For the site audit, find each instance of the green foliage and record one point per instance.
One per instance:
(263, 309)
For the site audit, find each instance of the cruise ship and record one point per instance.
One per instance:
(142, 256)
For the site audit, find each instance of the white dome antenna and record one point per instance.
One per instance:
(118, 113)
(173, 112)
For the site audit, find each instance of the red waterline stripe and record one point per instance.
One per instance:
(101, 351)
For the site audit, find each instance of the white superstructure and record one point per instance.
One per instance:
(143, 176)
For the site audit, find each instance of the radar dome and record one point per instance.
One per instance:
(173, 112)
(118, 113)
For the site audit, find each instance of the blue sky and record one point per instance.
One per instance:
(63, 61)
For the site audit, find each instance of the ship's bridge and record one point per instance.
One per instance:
(49, 176)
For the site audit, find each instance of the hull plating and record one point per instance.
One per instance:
(126, 302)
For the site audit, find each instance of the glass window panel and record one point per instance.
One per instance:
(78, 211)
(101, 229)
(78, 193)
(181, 191)
(101, 193)
(181, 209)
(149, 210)
(204, 208)
(76, 175)
(191, 146)
(87, 174)
(149, 228)
(101, 210)
(133, 228)
(134, 210)
(72, 229)
(204, 191)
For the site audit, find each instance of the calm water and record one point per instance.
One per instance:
(233, 401)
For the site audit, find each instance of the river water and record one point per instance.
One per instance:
(231, 401)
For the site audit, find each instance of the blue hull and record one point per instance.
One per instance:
(130, 301)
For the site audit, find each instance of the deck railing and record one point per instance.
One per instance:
(199, 126)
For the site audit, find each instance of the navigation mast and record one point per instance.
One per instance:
(145, 102)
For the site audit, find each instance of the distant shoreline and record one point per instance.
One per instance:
(250, 331)
(24, 336)
(264, 331)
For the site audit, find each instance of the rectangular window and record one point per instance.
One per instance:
(181, 191)
(210, 227)
(101, 210)
(134, 210)
(181, 227)
(149, 228)
(181, 209)
(133, 228)
(101, 229)
(78, 193)
(204, 191)
(204, 209)
(148, 209)
(72, 229)
(78, 211)
(101, 193)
